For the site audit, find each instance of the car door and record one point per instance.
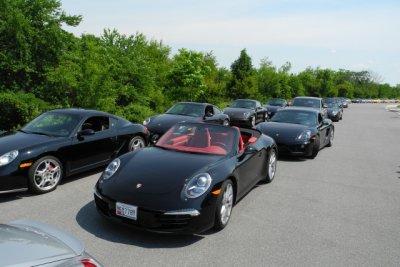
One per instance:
(92, 150)
(249, 167)
(323, 130)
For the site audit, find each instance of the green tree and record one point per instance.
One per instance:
(31, 41)
(243, 83)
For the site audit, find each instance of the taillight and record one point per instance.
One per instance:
(88, 263)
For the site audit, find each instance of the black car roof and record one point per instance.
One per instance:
(311, 110)
(308, 97)
(79, 111)
(196, 103)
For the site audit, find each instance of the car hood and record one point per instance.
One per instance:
(29, 243)
(282, 132)
(161, 123)
(18, 140)
(155, 171)
(236, 110)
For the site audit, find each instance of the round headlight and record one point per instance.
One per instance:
(304, 136)
(8, 157)
(146, 121)
(246, 114)
(111, 169)
(198, 185)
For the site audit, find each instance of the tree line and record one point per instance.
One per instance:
(43, 66)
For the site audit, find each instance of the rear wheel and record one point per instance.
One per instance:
(45, 174)
(224, 205)
(136, 143)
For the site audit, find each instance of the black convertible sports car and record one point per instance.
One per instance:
(189, 181)
(63, 142)
(299, 131)
(246, 112)
(184, 111)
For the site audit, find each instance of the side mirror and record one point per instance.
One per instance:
(324, 106)
(86, 132)
(326, 122)
(250, 150)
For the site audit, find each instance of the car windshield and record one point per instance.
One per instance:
(276, 102)
(52, 124)
(187, 109)
(332, 104)
(200, 138)
(295, 117)
(243, 104)
(306, 102)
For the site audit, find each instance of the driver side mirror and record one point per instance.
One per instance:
(86, 132)
(250, 150)
(326, 122)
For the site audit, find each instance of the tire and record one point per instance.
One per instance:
(45, 174)
(224, 205)
(225, 123)
(253, 121)
(137, 142)
(315, 148)
(271, 166)
(331, 137)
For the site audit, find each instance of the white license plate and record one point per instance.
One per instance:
(125, 210)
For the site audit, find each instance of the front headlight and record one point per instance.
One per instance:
(198, 185)
(146, 121)
(8, 157)
(246, 114)
(304, 136)
(111, 169)
(334, 113)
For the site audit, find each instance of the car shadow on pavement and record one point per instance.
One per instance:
(292, 158)
(90, 220)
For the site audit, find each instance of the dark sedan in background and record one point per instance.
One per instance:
(275, 104)
(299, 131)
(189, 181)
(63, 142)
(184, 112)
(246, 112)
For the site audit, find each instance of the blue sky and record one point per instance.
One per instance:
(336, 34)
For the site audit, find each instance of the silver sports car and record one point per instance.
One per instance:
(31, 243)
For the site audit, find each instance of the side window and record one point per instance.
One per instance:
(114, 122)
(217, 111)
(96, 123)
(258, 104)
(209, 111)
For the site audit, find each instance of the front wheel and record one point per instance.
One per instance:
(136, 143)
(45, 174)
(224, 205)
(271, 166)
(331, 137)
(315, 148)
(253, 121)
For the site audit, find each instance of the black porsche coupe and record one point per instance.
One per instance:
(299, 131)
(184, 111)
(63, 142)
(189, 181)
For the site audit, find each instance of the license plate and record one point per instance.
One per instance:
(125, 210)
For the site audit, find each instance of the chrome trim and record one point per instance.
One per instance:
(191, 212)
(98, 194)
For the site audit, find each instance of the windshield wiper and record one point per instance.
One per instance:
(40, 133)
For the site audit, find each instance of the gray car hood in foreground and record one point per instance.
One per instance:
(31, 243)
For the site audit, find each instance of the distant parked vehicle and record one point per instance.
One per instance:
(275, 104)
(299, 131)
(335, 112)
(246, 112)
(311, 102)
(184, 111)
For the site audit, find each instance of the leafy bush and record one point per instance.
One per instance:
(18, 108)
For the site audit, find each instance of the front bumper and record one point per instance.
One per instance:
(13, 179)
(184, 221)
(301, 150)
